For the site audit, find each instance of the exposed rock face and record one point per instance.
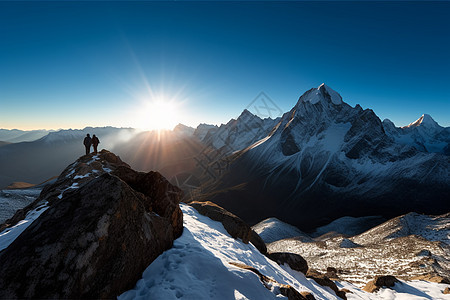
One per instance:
(233, 224)
(323, 280)
(163, 197)
(308, 296)
(295, 261)
(380, 281)
(286, 290)
(95, 240)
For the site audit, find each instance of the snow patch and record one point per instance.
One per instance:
(73, 186)
(8, 235)
(82, 176)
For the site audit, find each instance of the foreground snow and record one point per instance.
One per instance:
(198, 267)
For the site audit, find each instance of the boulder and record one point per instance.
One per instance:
(446, 290)
(284, 289)
(332, 273)
(380, 281)
(323, 280)
(234, 225)
(432, 278)
(163, 197)
(295, 261)
(307, 295)
(95, 240)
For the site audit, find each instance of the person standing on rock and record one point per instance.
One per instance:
(95, 142)
(87, 143)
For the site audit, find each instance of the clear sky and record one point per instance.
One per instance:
(77, 64)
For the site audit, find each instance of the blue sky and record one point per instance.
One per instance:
(77, 64)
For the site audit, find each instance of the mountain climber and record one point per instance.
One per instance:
(95, 142)
(87, 143)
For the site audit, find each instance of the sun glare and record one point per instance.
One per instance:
(159, 114)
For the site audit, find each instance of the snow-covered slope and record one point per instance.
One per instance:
(272, 229)
(425, 134)
(406, 246)
(198, 267)
(324, 160)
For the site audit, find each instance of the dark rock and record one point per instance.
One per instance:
(95, 241)
(380, 281)
(286, 290)
(295, 261)
(160, 193)
(331, 270)
(307, 295)
(323, 280)
(332, 273)
(233, 224)
(291, 293)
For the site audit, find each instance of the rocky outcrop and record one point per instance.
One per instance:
(233, 224)
(323, 280)
(379, 282)
(295, 261)
(95, 239)
(432, 278)
(160, 193)
(85, 169)
(284, 289)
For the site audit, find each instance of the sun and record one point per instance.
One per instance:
(158, 114)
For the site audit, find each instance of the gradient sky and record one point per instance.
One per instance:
(77, 64)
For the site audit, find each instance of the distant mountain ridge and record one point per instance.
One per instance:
(424, 134)
(17, 136)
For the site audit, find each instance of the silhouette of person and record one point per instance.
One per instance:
(95, 142)
(87, 143)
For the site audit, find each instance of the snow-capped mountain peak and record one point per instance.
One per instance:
(322, 93)
(424, 120)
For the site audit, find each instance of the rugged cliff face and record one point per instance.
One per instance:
(100, 225)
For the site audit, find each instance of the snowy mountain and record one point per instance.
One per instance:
(324, 160)
(272, 229)
(202, 130)
(238, 133)
(425, 134)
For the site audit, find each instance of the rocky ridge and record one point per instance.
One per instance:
(99, 219)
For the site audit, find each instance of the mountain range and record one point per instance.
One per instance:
(322, 160)
(325, 159)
